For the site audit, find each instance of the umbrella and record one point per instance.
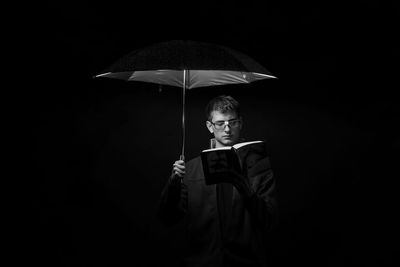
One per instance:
(187, 64)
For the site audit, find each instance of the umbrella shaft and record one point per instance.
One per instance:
(185, 75)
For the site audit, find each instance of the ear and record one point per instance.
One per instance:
(209, 127)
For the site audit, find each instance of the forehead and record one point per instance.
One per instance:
(219, 116)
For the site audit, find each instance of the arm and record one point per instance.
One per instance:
(259, 193)
(173, 202)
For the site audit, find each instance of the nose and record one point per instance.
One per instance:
(227, 128)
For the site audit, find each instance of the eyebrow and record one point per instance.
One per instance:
(227, 120)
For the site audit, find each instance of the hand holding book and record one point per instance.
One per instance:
(242, 184)
(230, 164)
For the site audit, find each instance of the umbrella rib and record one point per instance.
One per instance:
(265, 75)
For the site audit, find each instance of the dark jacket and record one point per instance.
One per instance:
(222, 227)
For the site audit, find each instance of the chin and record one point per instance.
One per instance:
(229, 142)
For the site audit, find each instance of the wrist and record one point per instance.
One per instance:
(175, 180)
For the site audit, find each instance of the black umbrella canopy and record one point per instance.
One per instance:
(187, 64)
(186, 54)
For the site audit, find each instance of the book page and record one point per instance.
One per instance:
(218, 148)
(238, 145)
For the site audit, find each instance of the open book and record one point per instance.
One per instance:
(219, 163)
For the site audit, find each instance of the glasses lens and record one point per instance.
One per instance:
(220, 125)
(234, 123)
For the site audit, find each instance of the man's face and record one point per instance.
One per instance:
(225, 127)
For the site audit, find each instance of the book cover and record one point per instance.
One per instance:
(219, 163)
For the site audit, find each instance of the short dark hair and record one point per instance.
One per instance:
(222, 103)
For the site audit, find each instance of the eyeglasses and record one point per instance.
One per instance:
(220, 125)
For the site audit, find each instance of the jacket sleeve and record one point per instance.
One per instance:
(173, 202)
(262, 202)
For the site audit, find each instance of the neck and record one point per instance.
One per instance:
(215, 144)
(218, 144)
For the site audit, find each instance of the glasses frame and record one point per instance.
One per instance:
(226, 123)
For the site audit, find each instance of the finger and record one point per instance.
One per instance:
(180, 162)
(181, 167)
(177, 170)
(179, 174)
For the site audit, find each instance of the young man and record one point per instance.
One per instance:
(226, 223)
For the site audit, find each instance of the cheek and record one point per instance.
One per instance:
(236, 131)
(217, 134)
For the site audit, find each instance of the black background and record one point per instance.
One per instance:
(100, 150)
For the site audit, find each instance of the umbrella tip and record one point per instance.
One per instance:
(101, 74)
